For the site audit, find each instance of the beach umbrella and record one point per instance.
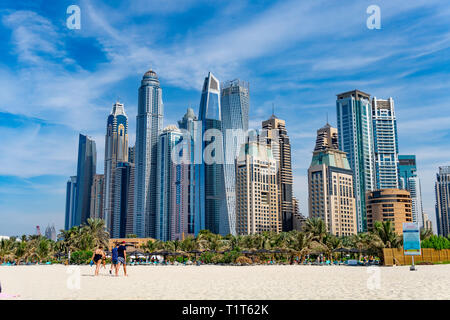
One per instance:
(341, 250)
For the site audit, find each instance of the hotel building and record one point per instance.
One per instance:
(330, 185)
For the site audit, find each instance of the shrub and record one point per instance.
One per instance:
(436, 242)
(243, 260)
(81, 257)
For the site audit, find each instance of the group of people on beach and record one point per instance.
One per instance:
(118, 258)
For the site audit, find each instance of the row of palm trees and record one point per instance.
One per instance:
(313, 239)
(40, 249)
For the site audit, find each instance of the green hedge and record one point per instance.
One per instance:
(436, 242)
(81, 257)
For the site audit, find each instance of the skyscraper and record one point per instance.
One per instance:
(149, 122)
(116, 150)
(442, 190)
(122, 217)
(330, 184)
(211, 183)
(171, 206)
(87, 160)
(409, 180)
(275, 136)
(97, 196)
(256, 190)
(189, 126)
(234, 111)
(71, 194)
(50, 232)
(354, 125)
(385, 143)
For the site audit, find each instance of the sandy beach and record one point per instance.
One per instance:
(228, 282)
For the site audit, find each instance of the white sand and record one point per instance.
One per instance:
(227, 282)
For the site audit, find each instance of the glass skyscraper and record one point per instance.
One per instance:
(149, 122)
(385, 143)
(211, 188)
(123, 200)
(71, 194)
(116, 150)
(354, 124)
(442, 190)
(171, 214)
(87, 161)
(192, 138)
(234, 110)
(408, 180)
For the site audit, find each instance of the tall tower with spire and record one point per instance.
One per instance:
(116, 150)
(275, 136)
(149, 124)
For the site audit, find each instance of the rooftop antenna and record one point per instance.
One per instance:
(273, 109)
(327, 117)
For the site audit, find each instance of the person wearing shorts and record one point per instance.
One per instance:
(114, 259)
(122, 258)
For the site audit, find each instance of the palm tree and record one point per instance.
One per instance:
(97, 230)
(385, 231)
(425, 233)
(6, 249)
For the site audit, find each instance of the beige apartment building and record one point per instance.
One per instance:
(256, 190)
(389, 205)
(330, 185)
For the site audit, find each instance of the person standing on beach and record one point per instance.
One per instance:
(97, 257)
(115, 258)
(122, 258)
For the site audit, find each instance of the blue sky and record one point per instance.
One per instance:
(56, 82)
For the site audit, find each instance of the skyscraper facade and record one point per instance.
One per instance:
(149, 122)
(330, 184)
(172, 213)
(256, 190)
(354, 124)
(97, 196)
(71, 194)
(189, 127)
(235, 105)
(211, 179)
(116, 150)
(385, 143)
(442, 190)
(122, 216)
(87, 161)
(275, 136)
(409, 180)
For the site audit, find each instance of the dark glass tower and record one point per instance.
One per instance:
(211, 184)
(87, 160)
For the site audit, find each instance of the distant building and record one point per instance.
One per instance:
(298, 219)
(330, 185)
(97, 197)
(442, 190)
(131, 154)
(123, 194)
(409, 180)
(389, 205)
(50, 232)
(71, 192)
(427, 224)
(354, 123)
(87, 161)
(385, 143)
(277, 139)
(256, 190)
